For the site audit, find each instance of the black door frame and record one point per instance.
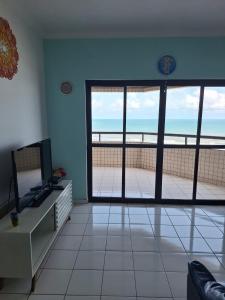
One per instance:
(160, 146)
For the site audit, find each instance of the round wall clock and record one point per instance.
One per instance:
(66, 87)
(167, 64)
(8, 51)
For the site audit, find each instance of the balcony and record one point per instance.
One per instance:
(178, 167)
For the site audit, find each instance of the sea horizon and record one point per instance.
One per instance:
(183, 126)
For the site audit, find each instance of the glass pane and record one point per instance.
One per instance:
(140, 173)
(142, 114)
(178, 173)
(182, 105)
(107, 114)
(213, 118)
(107, 172)
(211, 174)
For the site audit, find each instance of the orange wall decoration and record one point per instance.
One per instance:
(8, 51)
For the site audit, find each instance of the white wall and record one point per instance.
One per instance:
(22, 105)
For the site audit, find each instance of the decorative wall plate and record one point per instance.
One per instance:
(167, 64)
(66, 87)
(8, 51)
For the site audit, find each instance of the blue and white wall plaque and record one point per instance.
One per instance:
(167, 64)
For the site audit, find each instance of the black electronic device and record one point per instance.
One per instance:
(57, 187)
(32, 171)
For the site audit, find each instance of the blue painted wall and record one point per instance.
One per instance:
(77, 60)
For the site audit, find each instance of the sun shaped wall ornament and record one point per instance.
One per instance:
(9, 56)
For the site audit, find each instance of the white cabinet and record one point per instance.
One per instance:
(23, 248)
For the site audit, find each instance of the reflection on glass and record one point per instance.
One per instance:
(178, 172)
(140, 173)
(211, 174)
(107, 114)
(213, 118)
(107, 172)
(182, 105)
(28, 164)
(142, 114)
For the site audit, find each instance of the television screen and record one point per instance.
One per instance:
(32, 169)
(46, 155)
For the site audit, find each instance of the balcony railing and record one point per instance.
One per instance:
(151, 137)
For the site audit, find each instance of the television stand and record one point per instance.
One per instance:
(33, 237)
(40, 198)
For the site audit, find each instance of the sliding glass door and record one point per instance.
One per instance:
(156, 141)
(142, 115)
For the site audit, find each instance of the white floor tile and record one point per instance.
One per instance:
(141, 230)
(147, 261)
(217, 245)
(195, 245)
(119, 219)
(96, 229)
(171, 211)
(117, 298)
(46, 297)
(210, 232)
(118, 243)
(68, 242)
(164, 230)
(203, 221)
(180, 220)
(82, 298)
(119, 229)
(139, 219)
(152, 284)
(169, 244)
(79, 218)
(99, 218)
(178, 283)
(85, 282)
(53, 282)
(61, 259)
(100, 209)
(144, 298)
(160, 220)
(175, 262)
(156, 210)
(118, 283)
(187, 231)
(116, 260)
(90, 260)
(93, 243)
(14, 297)
(73, 229)
(138, 211)
(144, 244)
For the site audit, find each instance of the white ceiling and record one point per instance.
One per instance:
(124, 18)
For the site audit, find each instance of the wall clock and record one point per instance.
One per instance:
(167, 64)
(8, 51)
(66, 88)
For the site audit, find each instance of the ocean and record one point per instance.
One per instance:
(182, 126)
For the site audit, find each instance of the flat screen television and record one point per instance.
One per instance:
(32, 172)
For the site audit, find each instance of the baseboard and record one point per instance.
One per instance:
(80, 201)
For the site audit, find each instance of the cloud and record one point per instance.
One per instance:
(214, 99)
(150, 103)
(191, 102)
(96, 104)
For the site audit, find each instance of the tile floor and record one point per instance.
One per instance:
(140, 183)
(127, 252)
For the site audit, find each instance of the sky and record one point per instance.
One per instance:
(182, 103)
